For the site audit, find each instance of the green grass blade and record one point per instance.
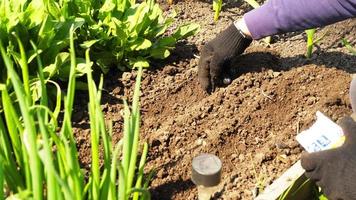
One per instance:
(12, 122)
(70, 157)
(86, 188)
(52, 186)
(106, 138)
(30, 128)
(140, 169)
(136, 96)
(127, 139)
(134, 149)
(135, 127)
(113, 172)
(57, 108)
(15, 180)
(122, 183)
(104, 185)
(94, 134)
(71, 82)
(44, 98)
(24, 68)
(148, 179)
(2, 196)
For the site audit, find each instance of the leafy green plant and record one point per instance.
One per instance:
(39, 159)
(130, 36)
(121, 33)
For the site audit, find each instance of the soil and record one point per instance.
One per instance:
(249, 124)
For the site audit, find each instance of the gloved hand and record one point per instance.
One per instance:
(216, 55)
(334, 170)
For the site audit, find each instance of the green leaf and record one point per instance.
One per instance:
(34, 13)
(139, 62)
(160, 53)
(88, 44)
(60, 60)
(140, 44)
(186, 31)
(135, 15)
(166, 41)
(46, 33)
(63, 28)
(108, 6)
(53, 8)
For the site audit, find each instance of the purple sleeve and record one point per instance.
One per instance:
(281, 16)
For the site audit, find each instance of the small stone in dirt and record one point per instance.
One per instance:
(311, 100)
(233, 195)
(162, 173)
(241, 157)
(241, 147)
(233, 156)
(126, 77)
(227, 80)
(200, 142)
(281, 145)
(276, 74)
(248, 192)
(170, 70)
(259, 157)
(116, 118)
(283, 158)
(296, 151)
(116, 91)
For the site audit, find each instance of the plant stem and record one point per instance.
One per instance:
(310, 41)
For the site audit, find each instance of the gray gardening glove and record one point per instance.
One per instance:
(216, 56)
(334, 170)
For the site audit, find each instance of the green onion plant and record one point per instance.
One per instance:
(38, 154)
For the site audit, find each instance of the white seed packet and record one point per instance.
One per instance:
(323, 134)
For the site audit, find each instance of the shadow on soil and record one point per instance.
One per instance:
(183, 51)
(259, 61)
(168, 190)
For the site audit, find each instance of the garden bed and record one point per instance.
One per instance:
(250, 124)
